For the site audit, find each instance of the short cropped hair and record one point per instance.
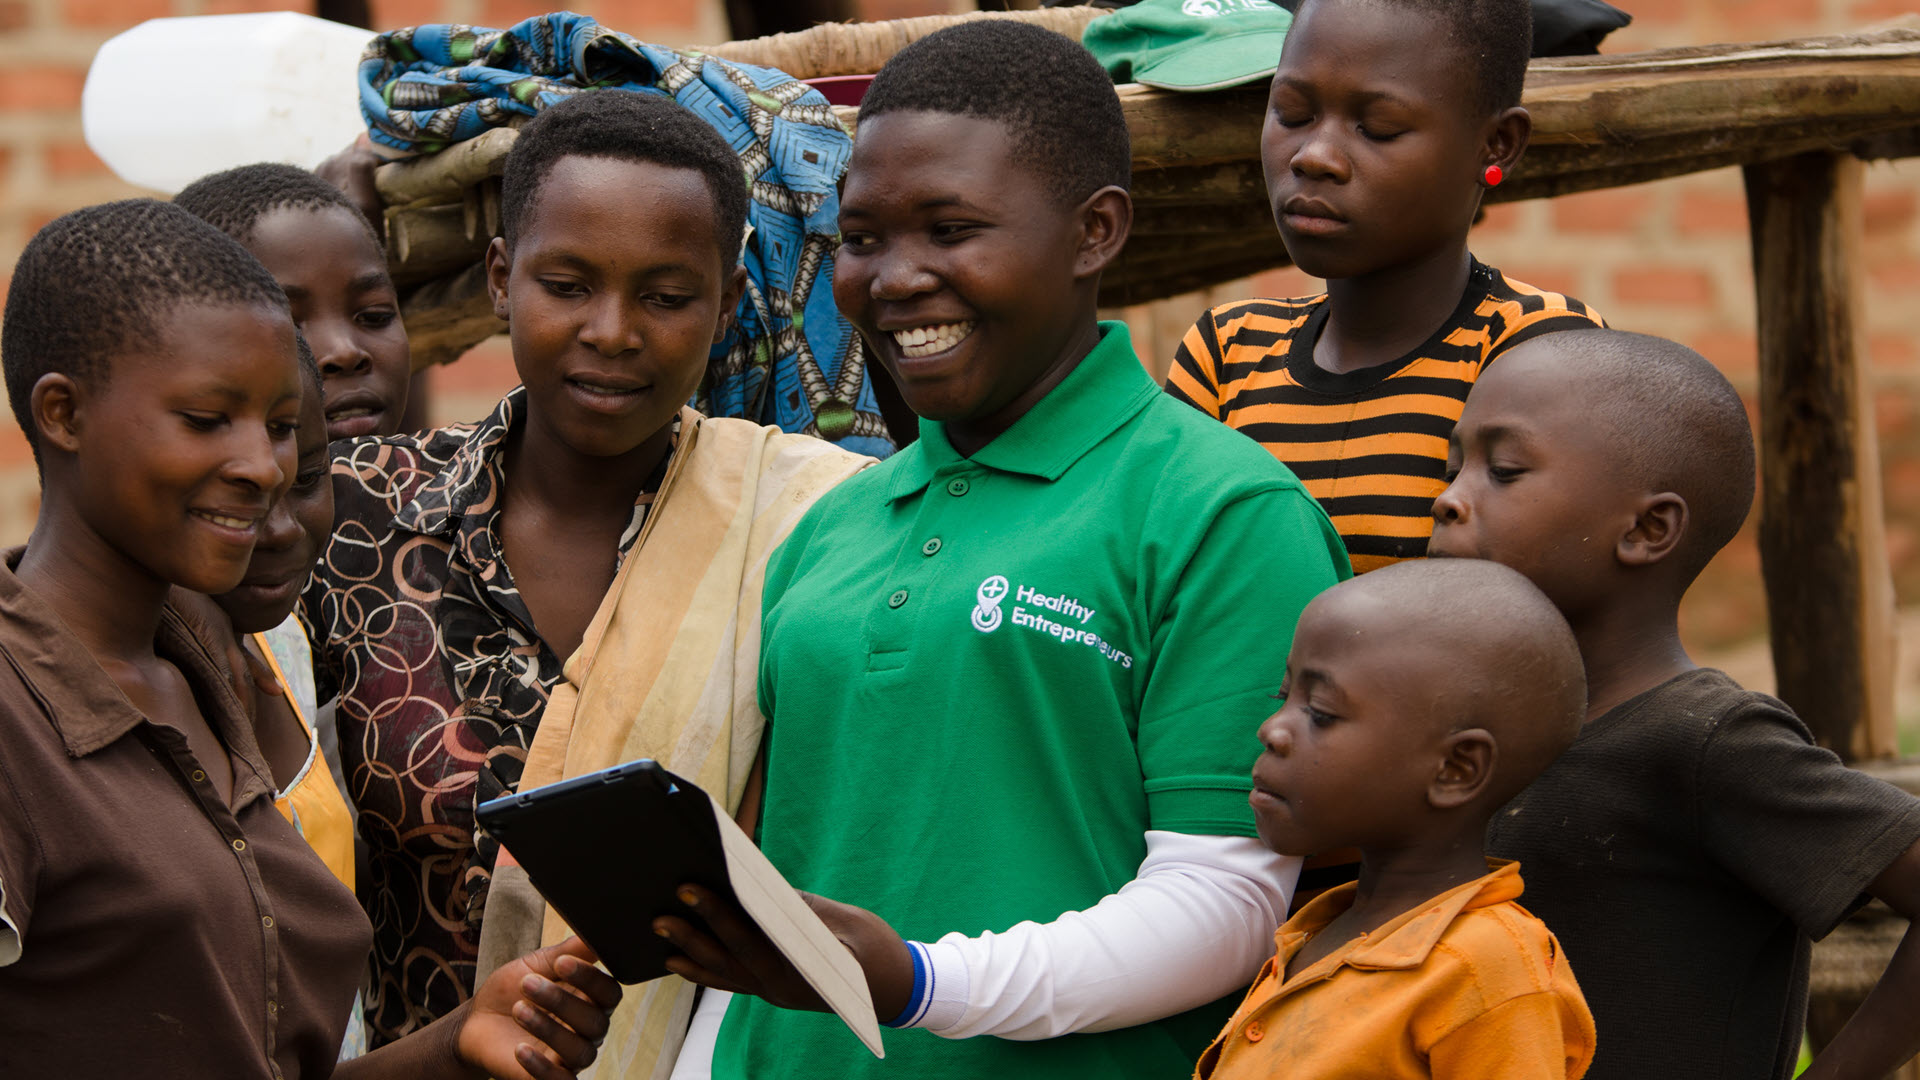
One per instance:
(1055, 99)
(1494, 37)
(1675, 423)
(626, 125)
(234, 201)
(99, 282)
(1515, 666)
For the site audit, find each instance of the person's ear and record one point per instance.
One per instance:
(499, 268)
(736, 287)
(55, 405)
(1658, 526)
(1507, 139)
(1466, 767)
(1106, 218)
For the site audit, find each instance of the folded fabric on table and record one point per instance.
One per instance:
(789, 358)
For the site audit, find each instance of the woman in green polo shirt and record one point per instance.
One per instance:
(1013, 674)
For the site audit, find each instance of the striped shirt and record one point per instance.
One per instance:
(1371, 444)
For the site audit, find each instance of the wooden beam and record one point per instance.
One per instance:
(1822, 528)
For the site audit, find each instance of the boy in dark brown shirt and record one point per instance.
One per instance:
(162, 919)
(1693, 841)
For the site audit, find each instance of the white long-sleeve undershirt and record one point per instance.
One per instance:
(1194, 924)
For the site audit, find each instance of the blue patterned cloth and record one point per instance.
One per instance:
(789, 359)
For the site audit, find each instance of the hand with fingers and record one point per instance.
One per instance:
(540, 1017)
(732, 954)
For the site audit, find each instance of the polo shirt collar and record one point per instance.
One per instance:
(85, 705)
(1405, 942)
(1097, 398)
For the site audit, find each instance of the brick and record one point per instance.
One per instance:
(14, 451)
(1615, 210)
(1893, 352)
(1892, 416)
(646, 18)
(1876, 10)
(1738, 13)
(1734, 352)
(1899, 277)
(1701, 212)
(73, 159)
(242, 7)
(1286, 282)
(485, 369)
(1499, 220)
(41, 87)
(35, 220)
(1663, 285)
(1887, 211)
(393, 14)
(1901, 480)
(505, 13)
(113, 14)
(1565, 280)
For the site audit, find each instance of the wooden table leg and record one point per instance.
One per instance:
(1822, 526)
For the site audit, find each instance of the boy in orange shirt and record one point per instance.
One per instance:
(1403, 741)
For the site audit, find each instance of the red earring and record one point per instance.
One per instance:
(1493, 176)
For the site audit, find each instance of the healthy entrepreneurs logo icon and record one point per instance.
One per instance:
(986, 608)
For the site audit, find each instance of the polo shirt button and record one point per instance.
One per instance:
(898, 598)
(239, 845)
(198, 776)
(958, 486)
(273, 1007)
(266, 921)
(931, 547)
(1255, 1032)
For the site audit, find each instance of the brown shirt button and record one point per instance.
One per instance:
(266, 921)
(239, 844)
(199, 776)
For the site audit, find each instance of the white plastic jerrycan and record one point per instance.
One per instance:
(172, 100)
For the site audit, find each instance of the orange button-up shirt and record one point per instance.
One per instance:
(1468, 985)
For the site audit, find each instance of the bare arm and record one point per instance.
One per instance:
(1884, 1032)
(540, 1017)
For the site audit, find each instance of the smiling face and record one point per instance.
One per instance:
(335, 278)
(616, 291)
(1532, 483)
(179, 452)
(1373, 144)
(1350, 755)
(290, 537)
(960, 268)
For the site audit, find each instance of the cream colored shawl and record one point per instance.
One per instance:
(668, 670)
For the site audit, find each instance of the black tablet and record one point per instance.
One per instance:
(609, 850)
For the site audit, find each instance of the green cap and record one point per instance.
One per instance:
(1190, 44)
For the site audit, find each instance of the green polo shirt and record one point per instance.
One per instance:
(988, 677)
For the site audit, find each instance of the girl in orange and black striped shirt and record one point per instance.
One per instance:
(1386, 123)
(1370, 444)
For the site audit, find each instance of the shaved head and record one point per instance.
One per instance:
(1509, 663)
(1671, 421)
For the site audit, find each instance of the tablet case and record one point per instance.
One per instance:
(610, 850)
